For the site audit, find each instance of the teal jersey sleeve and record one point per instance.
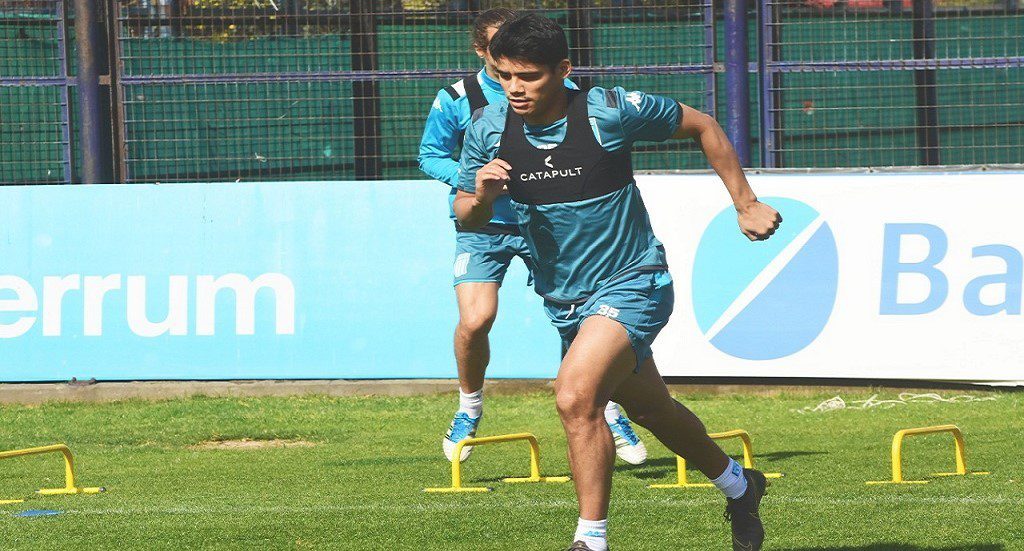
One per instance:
(623, 117)
(441, 140)
(480, 145)
(647, 117)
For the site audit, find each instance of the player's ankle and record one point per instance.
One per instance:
(594, 533)
(472, 404)
(732, 483)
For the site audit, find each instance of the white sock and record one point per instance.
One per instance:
(611, 412)
(594, 533)
(471, 404)
(732, 483)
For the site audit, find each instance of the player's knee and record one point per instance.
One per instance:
(576, 404)
(476, 324)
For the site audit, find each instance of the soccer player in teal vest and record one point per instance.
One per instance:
(483, 255)
(564, 157)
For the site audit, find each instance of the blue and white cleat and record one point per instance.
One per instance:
(463, 426)
(628, 446)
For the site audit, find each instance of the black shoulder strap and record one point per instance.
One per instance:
(451, 92)
(474, 92)
(611, 99)
(578, 117)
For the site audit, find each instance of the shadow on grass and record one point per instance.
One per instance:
(663, 467)
(893, 546)
(652, 470)
(656, 462)
(467, 480)
(384, 461)
(779, 456)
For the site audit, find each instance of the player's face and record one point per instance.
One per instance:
(531, 89)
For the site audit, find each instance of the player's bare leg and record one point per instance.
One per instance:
(598, 367)
(649, 404)
(646, 398)
(599, 359)
(478, 306)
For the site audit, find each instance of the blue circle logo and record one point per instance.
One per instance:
(770, 299)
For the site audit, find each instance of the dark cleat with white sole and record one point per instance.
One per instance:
(742, 513)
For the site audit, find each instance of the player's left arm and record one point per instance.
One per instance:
(440, 140)
(757, 220)
(482, 178)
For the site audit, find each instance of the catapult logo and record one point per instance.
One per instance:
(770, 299)
(549, 174)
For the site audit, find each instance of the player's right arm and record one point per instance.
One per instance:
(757, 220)
(440, 139)
(482, 178)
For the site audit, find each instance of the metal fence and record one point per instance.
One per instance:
(246, 90)
(290, 90)
(35, 103)
(891, 83)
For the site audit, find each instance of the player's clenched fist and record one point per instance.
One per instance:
(491, 180)
(758, 221)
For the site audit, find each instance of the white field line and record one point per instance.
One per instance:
(677, 502)
(765, 277)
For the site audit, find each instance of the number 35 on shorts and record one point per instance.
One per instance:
(607, 311)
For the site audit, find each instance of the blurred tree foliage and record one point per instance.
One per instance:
(223, 20)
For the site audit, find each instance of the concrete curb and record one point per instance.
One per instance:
(38, 393)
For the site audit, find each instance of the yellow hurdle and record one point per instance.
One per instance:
(69, 471)
(959, 451)
(534, 463)
(748, 461)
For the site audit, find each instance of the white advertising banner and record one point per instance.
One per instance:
(879, 276)
(871, 276)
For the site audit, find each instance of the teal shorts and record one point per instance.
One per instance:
(641, 302)
(481, 257)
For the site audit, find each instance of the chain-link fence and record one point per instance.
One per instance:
(35, 109)
(290, 90)
(226, 90)
(892, 83)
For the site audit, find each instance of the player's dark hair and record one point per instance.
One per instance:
(491, 18)
(531, 38)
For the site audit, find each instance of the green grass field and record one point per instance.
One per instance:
(352, 476)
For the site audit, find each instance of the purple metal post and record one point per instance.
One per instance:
(90, 111)
(925, 83)
(737, 79)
